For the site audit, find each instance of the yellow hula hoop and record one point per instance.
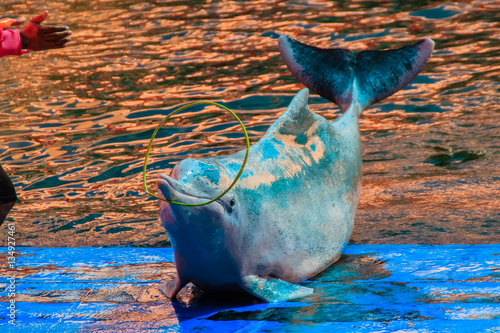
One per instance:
(154, 135)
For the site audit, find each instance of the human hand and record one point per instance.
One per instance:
(8, 22)
(36, 37)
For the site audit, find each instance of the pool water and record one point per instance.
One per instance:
(76, 122)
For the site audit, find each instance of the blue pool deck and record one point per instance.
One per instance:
(372, 288)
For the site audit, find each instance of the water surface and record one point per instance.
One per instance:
(75, 123)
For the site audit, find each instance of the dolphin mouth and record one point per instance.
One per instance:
(172, 188)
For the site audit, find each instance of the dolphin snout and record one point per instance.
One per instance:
(173, 189)
(170, 187)
(164, 187)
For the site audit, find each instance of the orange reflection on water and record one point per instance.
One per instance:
(76, 122)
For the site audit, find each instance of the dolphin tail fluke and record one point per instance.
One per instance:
(273, 290)
(343, 78)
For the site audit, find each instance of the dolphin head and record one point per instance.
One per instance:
(196, 181)
(199, 233)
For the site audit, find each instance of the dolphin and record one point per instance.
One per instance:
(291, 213)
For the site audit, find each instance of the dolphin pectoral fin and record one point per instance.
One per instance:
(273, 290)
(171, 288)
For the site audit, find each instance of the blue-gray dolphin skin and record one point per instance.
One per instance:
(292, 212)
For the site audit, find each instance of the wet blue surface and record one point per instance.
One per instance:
(372, 288)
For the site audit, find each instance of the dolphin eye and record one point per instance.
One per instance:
(232, 202)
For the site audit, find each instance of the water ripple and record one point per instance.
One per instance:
(76, 122)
